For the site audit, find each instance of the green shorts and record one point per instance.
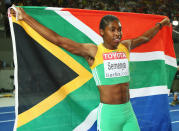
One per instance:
(119, 117)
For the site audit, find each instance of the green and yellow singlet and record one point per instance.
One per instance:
(111, 66)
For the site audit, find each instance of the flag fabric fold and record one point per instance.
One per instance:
(55, 89)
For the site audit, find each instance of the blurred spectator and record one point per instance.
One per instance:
(175, 89)
(1, 64)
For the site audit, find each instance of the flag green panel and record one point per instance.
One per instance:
(148, 74)
(73, 110)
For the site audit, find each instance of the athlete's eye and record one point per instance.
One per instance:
(120, 29)
(113, 29)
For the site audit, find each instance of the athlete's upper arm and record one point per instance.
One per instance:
(133, 43)
(80, 49)
(138, 41)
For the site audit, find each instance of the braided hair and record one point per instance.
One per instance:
(106, 20)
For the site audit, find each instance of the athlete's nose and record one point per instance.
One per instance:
(117, 33)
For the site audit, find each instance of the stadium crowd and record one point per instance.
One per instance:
(168, 8)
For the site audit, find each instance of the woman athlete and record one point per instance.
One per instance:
(109, 63)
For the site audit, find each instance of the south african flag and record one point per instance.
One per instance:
(55, 89)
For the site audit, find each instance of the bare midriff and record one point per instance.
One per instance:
(114, 94)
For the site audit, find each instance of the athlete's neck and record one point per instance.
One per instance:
(108, 46)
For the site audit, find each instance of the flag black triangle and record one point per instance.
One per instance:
(40, 73)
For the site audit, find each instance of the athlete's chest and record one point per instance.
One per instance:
(115, 63)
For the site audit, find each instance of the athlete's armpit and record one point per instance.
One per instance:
(127, 44)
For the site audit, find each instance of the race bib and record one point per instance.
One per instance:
(115, 64)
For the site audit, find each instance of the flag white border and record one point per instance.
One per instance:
(148, 91)
(155, 55)
(95, 37)
(88, 122)
(15, 71)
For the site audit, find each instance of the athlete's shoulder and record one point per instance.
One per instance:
(92, 48)
(127, 43)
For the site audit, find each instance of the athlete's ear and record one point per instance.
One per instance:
(101, 31)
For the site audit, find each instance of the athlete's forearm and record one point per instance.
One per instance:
(148, 35)
(151, 32)
(55, 38)
(42, 30)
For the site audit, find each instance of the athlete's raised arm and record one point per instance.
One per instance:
(147, 36)
(72, 46)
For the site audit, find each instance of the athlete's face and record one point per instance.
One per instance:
(112, 34)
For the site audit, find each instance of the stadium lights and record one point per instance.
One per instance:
(175, 23)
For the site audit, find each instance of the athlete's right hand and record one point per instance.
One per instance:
(19, 13)
(165, 21)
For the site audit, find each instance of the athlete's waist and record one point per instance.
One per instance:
(114, 94)
(115, 105)
(115, 102)
(119, 85)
